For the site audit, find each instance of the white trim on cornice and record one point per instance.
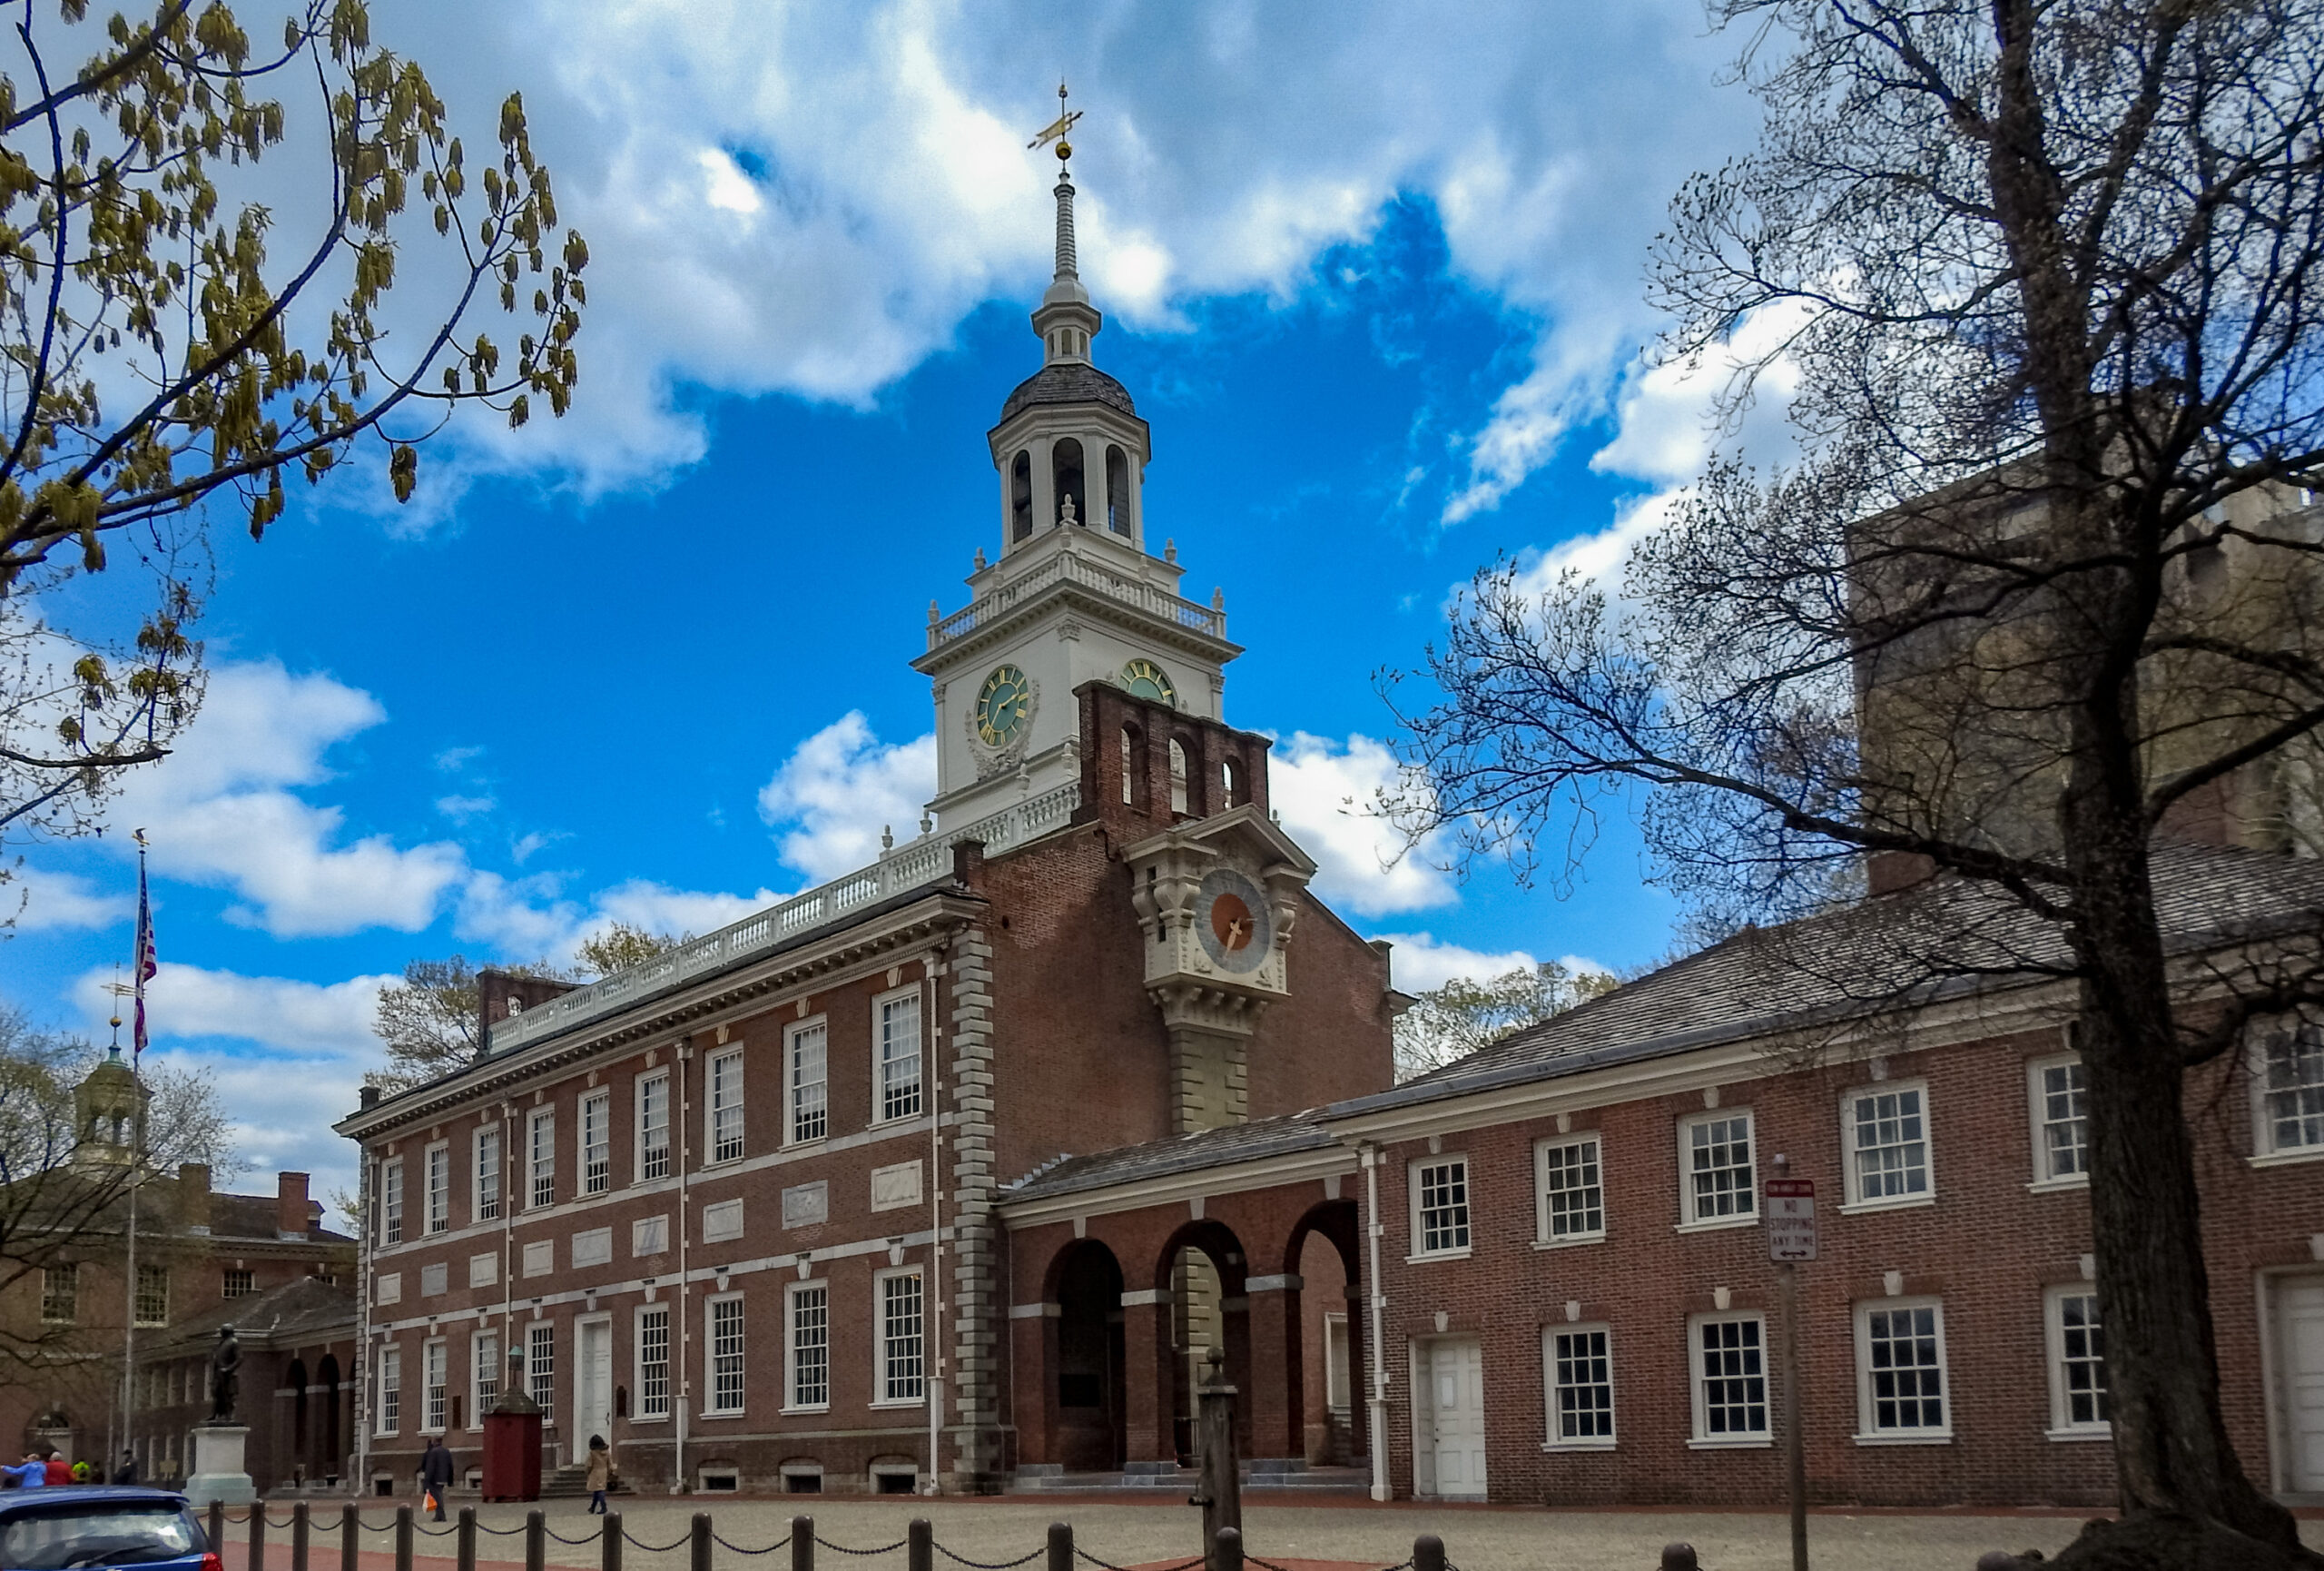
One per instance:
(1174, 1188)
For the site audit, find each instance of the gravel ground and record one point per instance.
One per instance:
(1476, 1538)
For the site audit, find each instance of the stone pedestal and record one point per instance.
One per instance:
(218, 1470)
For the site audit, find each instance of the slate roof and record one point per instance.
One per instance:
(253, 1217)
(1066, 382)
(1208, 1147)
(299, 1314)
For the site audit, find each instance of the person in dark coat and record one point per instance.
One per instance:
(127, 1472)
(436, 1473)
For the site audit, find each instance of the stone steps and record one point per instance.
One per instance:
(1267, 1475)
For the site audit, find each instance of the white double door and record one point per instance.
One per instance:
(2300, 1350)
(1449, 1426)
(593, 1383)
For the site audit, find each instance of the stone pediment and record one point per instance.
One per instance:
(1217, 899)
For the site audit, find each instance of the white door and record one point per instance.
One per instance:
(2299, 1319)
(1450, 1455)
(593, 1385)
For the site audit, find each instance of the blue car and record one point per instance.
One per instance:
(70, 1527)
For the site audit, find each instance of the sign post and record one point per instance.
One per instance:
(1791, 1218)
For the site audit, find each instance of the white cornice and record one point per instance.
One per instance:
(1169, 1189)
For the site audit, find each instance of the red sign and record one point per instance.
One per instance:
(1791, 1219)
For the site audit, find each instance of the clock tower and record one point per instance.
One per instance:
(1075, 594)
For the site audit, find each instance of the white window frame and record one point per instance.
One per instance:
(880, 1061)
(434, 1386)
(138, 1310)
(391, 1202)
(390, 1419)
(1688, 1220)
(792, 1294)
(723, 1103)
(540, 1374)
(711, 1355)
(1467, 1225)
(593, 1162)
(2038, 1122)
(1696, 1398)
(642, 1413)
(1339, 1374)
(2064, 1426)
(650, 1156)
(792, 1085)
(1552, 1386)
(435, 1201)
(540, 1157)
(1544, 1236)
(1867, 1433)
(1851, 1168)
(880, 1371)
(2265, 1149)
(480, 1401)
(489, 1173)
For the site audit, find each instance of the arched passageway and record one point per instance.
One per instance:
(1089, 1414)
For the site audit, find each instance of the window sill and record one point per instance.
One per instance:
(816, 1408)
(878, 1123)
(1433, 1255)
(651, 1418)
(900, 1402)
(2050, 1186)
(1575, 1242)
(2287, 1158)
(1933, 1438)
(807, 1142)
(720, 1413)
(1737, 1443)
(1554, 1446)
(1909, 1204)
(2073, 1437)
(1718, 1224)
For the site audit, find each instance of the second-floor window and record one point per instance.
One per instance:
(540, 1140)
(806, 1079)
(1716, 1155)
(596, 1142)
(440, 1188)
(1572, 1191)
(391, 1200)
(654, 1126)
(152, 1295)
(1441, 1215)
(60, 1294)
(238, 1284)
(1887, 1130)
(488, 1173)
(899, 1025)
(2291, 1091)
(726, 1105)
(2061, 1105)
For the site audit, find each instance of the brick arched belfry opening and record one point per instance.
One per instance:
(1084, 1385)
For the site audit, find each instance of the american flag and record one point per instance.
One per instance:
(146, 963)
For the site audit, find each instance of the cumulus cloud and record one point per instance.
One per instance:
(1421, 962)
(184, 1002)
(840, 788)
(1323, 790)
(54, 901)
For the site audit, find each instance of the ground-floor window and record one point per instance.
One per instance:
(654, 1361)
(1900, 1365)
(540, 1365)
(902, 1327)
(1580, 1368)
(2077, 1339)
(390, 1390)
(725, 1355)
(1728, 1355)
(811, 1344)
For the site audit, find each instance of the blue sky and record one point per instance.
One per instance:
(1372, 273)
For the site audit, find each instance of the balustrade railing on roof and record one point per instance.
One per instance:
(906, 867)
(1065, 567)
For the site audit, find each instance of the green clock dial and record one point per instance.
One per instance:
(1003, 706)
(1145, 679)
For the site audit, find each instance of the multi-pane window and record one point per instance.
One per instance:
(390, 1390)
(2061, 1120)
(152, 1295)
(488, 1173)
(807, 1081)
(654, 1361)
(540, 1154)
(900, 1056)
(1716, 1154)
(540, 1365)
(1731, 1377)
(237, 1284)
(484, 1374)
(1572, 1190)
(726, 1105)
(596, 1142)
(903, 1375)
(725, 1355)
(391, 1200)
(811, 1344)
(434, 1402)
(60, 1294)
(2292, 1091)
(654, 1126)
(2078, 1395)
(1900, 1350)
(1887, 1138)
(440, 1188)
(1582, 1387)
(1440, 1205)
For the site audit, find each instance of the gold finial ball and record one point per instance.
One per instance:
(1064, 150)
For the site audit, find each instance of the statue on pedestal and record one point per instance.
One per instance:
(225, 1364)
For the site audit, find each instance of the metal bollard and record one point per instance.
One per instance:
(701, 1541)
(350, 1537)
(1428, 1553)
(403, 1538)
(1060, 1546)
(218, 1528)
(299, 1524)
(1679, 1557)
(1226, 1550)
(802, 1544)
(464, 1545)
(609, 1542)
(920, 1545)
(258, 1535)
(536, 1541)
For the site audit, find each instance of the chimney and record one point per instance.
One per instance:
(193, 1196)
(291, 1205)
(369, 1097)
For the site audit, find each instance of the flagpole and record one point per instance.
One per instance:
(143, 969)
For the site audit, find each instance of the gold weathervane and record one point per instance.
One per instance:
(1055, 129)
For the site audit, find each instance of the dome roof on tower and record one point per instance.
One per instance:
(1069, 382)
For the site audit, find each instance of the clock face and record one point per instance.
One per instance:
(1231, 919)
(1003, 706)
(1145, 679)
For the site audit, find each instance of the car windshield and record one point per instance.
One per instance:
(95, 1533)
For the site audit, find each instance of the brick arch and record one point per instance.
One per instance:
(1297, 1326)
(1084, 1373)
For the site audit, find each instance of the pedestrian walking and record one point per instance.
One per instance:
(435, 1474)
(601, 1474)
(60, 1471)
(127, 1472)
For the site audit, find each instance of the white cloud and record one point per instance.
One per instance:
(185, 1002)
(1324, 791)
(1419, 962)
(52, 900)
(460, 809)
(642, 903)
(840, 788)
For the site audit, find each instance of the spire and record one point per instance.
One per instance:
(1066, 262)
(1065, 284)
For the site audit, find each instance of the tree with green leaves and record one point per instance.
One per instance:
(1454, 1020)
(176, 339)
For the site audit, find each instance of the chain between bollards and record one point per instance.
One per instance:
(1060, 1546)
(536, 1541)
(609, 1542)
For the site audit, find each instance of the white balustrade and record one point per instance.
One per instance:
(1129, 591)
